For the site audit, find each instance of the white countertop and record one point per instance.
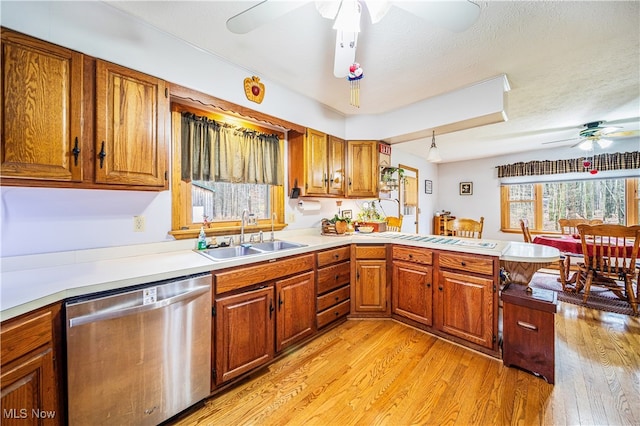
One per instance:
(31, 282)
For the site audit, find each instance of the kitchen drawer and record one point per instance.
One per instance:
(22, 335)
(412, 254)
(462, 262)
(333, 256)
(333, 298)
(333, 277)
(236, 278)
(334, 313)
(371, 252)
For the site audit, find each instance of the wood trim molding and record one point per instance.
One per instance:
(186, 96)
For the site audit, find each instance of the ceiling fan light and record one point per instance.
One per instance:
(586, 145)
(377, 9)
(604, 143)
(348, 19)
(434, 153)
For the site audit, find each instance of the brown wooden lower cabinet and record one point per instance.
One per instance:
(370, 290)
(244, 332)
(412, 293)
(29, 382)
(295, 316)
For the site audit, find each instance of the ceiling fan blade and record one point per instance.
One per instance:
(560, 140)
(346, 44)
(455, 15)
(260, 14)
(621, 134)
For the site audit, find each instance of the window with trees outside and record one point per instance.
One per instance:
(615, 201)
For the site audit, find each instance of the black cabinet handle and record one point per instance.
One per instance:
(410, 256)
(428, 285)
(271, 308)
(102, 154)
(463, 263)
(76, 152)
(337, 276)
(336, 256)
(280, 302)
(440, 288)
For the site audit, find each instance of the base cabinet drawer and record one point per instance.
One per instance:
(333, 298)
(334, 313)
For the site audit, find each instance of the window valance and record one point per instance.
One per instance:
(215, 151)
(601, 162)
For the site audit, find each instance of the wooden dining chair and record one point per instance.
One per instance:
(570, 226)
(610, 254)
(526, 234)
(464, 227)
(394, 223)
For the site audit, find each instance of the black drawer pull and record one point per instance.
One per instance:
(337, 256)
(337, 276)
(337, 313)
(527, 325)
(463, 263)
(410, 256)
(337, 298)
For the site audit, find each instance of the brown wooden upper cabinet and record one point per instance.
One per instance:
(41, 110)
(362, 169)
(57, 131)
(131, 114)
(326, 166)
(316, 163)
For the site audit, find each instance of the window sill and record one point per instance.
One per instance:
(184, 234)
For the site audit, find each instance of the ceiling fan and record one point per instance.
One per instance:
(602, 133)
(455, 15)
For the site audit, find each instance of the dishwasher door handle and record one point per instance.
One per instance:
(110, 314)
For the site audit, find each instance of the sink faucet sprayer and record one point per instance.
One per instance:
(245, 213)
(273, 218)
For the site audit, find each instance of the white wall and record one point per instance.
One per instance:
(485, 200)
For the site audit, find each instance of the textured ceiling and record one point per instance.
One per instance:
(568, 63)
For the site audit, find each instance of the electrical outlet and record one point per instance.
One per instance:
(138, 224)
(291, 217)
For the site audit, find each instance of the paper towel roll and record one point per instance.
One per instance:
(310, 205)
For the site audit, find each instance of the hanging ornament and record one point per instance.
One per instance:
(354, 77)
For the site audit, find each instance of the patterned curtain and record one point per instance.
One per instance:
(601, 162)
(214, 151)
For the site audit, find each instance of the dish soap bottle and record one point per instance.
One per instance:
(202, 239)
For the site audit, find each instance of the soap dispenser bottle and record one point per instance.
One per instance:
(202, 239)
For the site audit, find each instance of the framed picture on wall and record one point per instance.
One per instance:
(347, 214)
(428, 187)
(466, 188)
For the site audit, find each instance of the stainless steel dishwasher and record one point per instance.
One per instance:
(139, 356)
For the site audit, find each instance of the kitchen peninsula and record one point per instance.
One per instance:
(359, 276)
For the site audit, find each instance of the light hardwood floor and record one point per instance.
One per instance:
(374, 372)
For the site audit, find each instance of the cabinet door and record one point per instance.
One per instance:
(370, 290)
(41, 110)
(28, 391)
(244, 333)
(131, 119)
(412, 292)
(465, 307)
(362, 170)
(296, 309)
(315, 152)
(336, 163)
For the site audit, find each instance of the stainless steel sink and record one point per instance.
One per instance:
(277, 245)
(248, 249)
(230, 252)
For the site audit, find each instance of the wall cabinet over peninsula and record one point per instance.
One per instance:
(322, 165)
